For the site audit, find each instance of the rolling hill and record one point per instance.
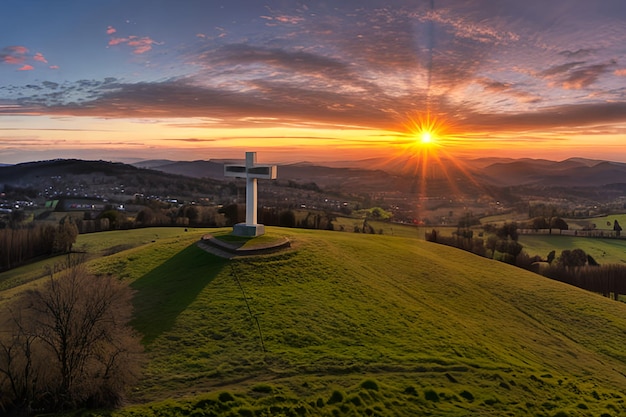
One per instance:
(350, 324)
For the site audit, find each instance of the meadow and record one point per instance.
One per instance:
(358, 324)
(603, 250)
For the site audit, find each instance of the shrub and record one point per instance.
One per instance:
(431, 395)
(467, 395)
(370, 384)
(226, 397)
(263, 388)
(335, 397)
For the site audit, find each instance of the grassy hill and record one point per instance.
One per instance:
(351, 324)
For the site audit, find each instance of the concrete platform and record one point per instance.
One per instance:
(248, 230)
(230, 250)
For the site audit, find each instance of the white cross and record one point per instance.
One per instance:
(251, 172)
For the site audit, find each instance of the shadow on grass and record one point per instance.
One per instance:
(166, 291)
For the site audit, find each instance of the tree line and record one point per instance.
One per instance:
(19, 245)
(574, 267)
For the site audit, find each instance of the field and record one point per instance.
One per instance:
(602, 223)
(604, 251)
(357, 324)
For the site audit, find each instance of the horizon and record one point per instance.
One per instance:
(333, 163)
(113, 80)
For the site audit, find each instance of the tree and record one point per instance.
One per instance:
(67, 231)
(617, 228)
(573, 258)
(68, 343)
(231, 212)
(287, 218)
(538, 223)
(507, 230)
(145, 217)
(113, 216)
(558, 223)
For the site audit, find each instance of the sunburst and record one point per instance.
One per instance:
(426, 140)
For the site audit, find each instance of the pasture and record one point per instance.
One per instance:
(358, 324)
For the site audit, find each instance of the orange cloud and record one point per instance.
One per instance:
(39, 57)
(620, 72)
(111, 30)
(18, 55)
(15, 60)
(140, 45)
(15, 55)
(54, 67)
(21, 50)
(117, 41)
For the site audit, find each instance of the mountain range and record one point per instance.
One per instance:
(578, 172)
(374, 174)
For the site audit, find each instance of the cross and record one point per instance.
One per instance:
(251, 172)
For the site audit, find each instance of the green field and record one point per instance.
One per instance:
(604, 251)
(359, 324)
(601, 223)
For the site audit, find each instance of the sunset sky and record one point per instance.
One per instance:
(311, 80)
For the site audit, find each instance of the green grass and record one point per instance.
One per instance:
(387, 228)
(357, 324)
(96, 245)
(247, 242)
(604, 251)
(602, 223)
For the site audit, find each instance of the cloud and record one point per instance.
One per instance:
(15, 60)
(20, 50)
(139, 44)
(14, 55)
(555, 117)
(576, 75)
(584, 77)
(39, 57)
(19, 55)
(620, 72)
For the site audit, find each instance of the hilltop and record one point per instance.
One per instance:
(362, 325)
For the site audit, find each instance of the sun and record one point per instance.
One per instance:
(426, 138)
(425, 131)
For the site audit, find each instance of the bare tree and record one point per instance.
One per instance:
(71, 345)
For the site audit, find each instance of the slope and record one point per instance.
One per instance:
(362, 324)
(366, 325)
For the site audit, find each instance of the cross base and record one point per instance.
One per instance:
(248, 230)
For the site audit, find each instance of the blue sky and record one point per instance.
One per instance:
(310, 79)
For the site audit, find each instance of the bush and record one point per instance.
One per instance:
(370, 384)
(431, 395)
(335, 397)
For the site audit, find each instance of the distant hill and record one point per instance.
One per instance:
(77, 177)
(352, 324)
(571, 172)
(404, 174)
(194, 169)
(304, 172)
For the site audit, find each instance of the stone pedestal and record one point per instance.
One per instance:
(248, 230)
